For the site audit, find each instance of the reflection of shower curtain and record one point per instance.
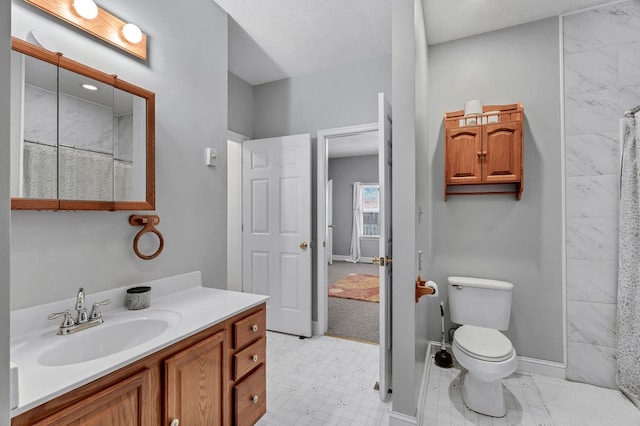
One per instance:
(354, 252)
(628, 314)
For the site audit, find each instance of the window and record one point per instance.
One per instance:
(370, 210)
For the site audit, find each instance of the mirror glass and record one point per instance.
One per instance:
(81, 139)
(34, 127)
(86, 138)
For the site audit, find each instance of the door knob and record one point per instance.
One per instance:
(175, 422)
(375, 260)
(304, 245)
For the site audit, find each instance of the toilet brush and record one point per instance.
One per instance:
(443, 358)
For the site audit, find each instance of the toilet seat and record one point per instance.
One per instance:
(482, 343)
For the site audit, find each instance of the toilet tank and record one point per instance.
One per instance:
(480, 302)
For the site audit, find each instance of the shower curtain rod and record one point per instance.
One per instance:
(632, 111)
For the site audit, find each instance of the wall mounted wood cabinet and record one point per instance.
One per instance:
(484, 150)
(215, 377)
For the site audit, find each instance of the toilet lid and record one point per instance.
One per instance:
(483, 343)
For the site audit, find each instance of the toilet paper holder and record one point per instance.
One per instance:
(425, 288)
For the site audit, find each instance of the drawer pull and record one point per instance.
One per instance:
(254, 328)
(174, 422)
(255, 358)
(255, 399)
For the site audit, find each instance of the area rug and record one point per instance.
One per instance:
(358, 287)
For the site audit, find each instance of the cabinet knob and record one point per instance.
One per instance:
(254, 328)
(255, 399)
(254, 358)
(174, 422)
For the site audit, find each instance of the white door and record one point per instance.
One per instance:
(329, 248)
(276, 237)
(384, 216)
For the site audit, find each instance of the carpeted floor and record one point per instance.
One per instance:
(353, 319)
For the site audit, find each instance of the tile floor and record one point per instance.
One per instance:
(443, 405)
(532, 400)
(322, 381)
(329, 381)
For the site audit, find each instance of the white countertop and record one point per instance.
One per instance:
(197, 308)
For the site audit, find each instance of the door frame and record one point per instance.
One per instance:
(234, 234)
(322, 172)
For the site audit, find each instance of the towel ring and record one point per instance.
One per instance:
(148, 221)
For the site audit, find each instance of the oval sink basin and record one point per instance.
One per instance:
(107, 338)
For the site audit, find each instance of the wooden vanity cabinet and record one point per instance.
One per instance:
(215, 377)
(124, 403)
(485, 153)
(248, 369)
(187, 374)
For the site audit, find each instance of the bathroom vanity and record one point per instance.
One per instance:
(196, 356)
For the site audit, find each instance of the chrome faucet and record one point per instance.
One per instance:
(82, 311)
(82, 321)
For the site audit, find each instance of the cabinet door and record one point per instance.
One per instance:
(195, 383)
(502, 153)
(126, 403)
(250, 398)
(463, 152)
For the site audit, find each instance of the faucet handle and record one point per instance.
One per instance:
(67, 322)
(95, 312)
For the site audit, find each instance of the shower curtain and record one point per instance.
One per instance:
(628, 313)
(354, 251)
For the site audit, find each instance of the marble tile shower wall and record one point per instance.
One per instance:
(601, 80)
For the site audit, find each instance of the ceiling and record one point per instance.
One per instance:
(274, 39)
(365, 143)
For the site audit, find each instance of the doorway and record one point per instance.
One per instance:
(346, 156)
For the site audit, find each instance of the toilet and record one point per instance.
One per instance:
(482, 307)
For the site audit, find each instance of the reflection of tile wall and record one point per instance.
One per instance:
(40, 116)
(85, 125)
(123, 144)
(602, 80)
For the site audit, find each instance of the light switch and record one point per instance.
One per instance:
(211, 157)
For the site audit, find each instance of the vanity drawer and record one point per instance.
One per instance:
(249, 358)
(250, 398)
(249, 329)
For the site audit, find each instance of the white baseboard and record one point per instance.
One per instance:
(541, 367)
(526, 364)
(399, 419)
(340, 258)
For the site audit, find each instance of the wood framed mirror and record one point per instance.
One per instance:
(81, 139)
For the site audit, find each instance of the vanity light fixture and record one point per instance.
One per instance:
(86, 8)
(88, 16)
(132, 33)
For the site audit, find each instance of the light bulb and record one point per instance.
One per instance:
(86, 8)
(132, 33)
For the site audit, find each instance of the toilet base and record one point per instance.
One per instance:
(482, 397)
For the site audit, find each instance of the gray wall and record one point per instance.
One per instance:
(423, 182)
(344, 171)
(54, 253)
(497, 236)
(338, 97)
(240, 112)
(601, 56)
(406, 374)
(5, 42)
